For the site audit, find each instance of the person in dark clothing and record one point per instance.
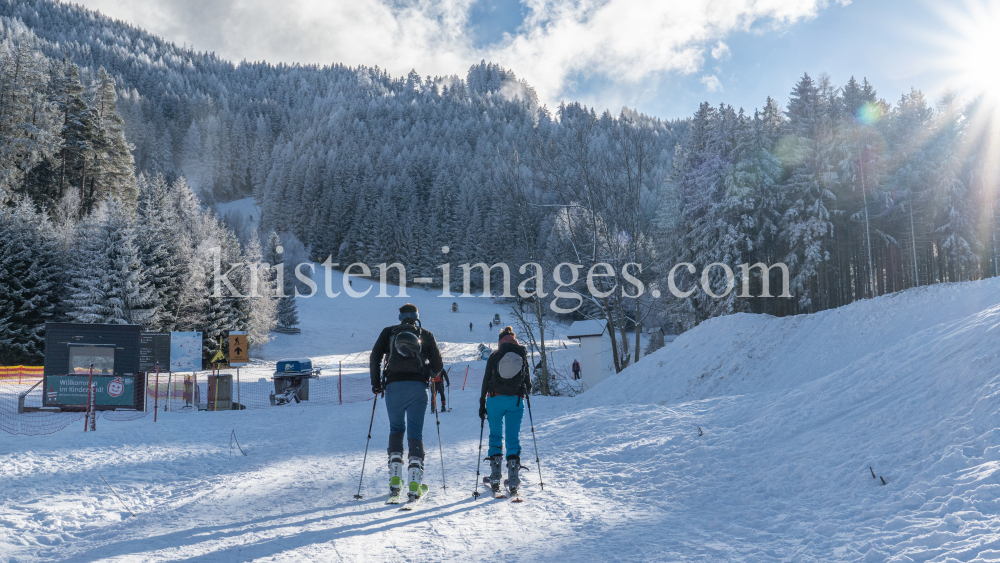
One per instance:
(411, 356)
(501, 400)
(440, 381)
(576, 369)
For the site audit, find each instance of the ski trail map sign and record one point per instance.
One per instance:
(185, 351)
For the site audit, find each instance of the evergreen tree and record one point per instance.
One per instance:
(113, 167)
(29, 283)
(158, 249)
(257, 311)
(26, 117)
(287, 311)
(110, 284)
(77, 134)
(806, 218)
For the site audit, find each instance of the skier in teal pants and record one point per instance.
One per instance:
(502, 401)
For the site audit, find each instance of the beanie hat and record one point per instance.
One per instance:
(507, 332)
(408, 311)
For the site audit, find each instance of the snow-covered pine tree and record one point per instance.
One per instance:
(287, 310)
(954, 216)
(26, 116)
(76, 136)
(113, 167)
(159, 245)
(806, 224)
(221, 310)
(750, 203)
(29, 283)
(258, 310)
(109, 282)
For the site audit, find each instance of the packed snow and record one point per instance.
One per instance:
(749, 438)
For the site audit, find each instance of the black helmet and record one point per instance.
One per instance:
(407, 344)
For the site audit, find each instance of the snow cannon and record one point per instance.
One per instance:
(484, 352)
(291, 381)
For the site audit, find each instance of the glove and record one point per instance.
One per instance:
(376, 389)
(482, 410)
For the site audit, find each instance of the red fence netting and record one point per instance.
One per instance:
(252, 388)
(19, 388)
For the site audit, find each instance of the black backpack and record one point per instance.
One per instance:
(509, 374)
(396, 362)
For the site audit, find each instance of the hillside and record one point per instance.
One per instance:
(659, 463)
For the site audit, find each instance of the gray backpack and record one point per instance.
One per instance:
(510, 374)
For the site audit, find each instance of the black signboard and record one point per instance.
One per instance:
(154, 347)
(61, 338)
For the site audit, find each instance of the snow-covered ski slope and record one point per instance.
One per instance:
(343, 328)
(792, 411)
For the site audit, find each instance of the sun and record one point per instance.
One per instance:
(975, 47)
(970, 47)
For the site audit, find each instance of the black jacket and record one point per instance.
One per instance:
(428, 352)
(491, 369)
(444, 377)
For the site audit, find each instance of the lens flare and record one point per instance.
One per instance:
(869, 114)
(972, 48)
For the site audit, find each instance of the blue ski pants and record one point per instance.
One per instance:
(505, 413)
(406, 404)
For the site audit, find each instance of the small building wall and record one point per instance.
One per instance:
(596, 358)
(596, 361)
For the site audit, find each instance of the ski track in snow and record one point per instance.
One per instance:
(793, 413)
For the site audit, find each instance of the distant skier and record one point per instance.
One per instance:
(412, 355)
(440, 381)
(505, 383)
(470, 327)
(491, 326)
(576, 369)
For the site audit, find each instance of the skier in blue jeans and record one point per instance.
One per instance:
(502, 402)
(411, 355)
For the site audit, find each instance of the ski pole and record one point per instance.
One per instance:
(527, 399)
(479, 461)
(370, 424)
(440, 447)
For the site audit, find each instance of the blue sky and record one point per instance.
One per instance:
(662, 58)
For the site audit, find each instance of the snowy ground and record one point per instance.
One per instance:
(792, 412)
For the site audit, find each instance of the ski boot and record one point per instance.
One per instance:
(395, 475)
(416, 475)
(496, 474)
(513, 479)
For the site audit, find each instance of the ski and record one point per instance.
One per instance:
(395, 499)
(500, 494)
(513, 497)
(411, 504)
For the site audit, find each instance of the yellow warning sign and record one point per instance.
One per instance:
(238, 355)
(219, 357)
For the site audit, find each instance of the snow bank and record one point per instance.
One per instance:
(743, 353)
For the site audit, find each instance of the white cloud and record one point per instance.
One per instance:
(721, 51)
(712, 83)
(621, 41)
